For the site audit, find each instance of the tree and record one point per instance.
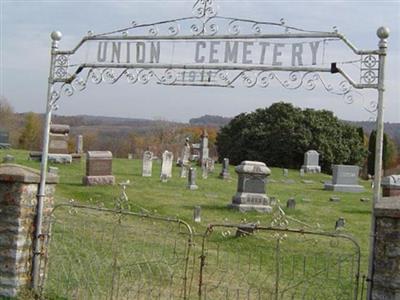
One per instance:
(30, 137)
(389, 152)
(281, 134)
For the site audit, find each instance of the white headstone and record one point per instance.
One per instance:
(166, 166)
(147, 163)
(311, 162)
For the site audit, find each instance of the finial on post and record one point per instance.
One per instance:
(56, 36)
(383, 33)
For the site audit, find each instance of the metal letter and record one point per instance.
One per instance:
(213, 51)
(297, 51)
(101, 57)
(155, 52)
(264, 45)
(276, 53)
(314, 47)
(247, 52)
(116, 51)
(128, 52)
(197, 57)
(140, 52)
(231, 53)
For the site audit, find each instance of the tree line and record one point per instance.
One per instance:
(280, 135)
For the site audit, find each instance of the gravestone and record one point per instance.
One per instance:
(250, 194)
(344, 179)
(4, 139)
(311, 162)
(98, 168)
(285, 172)
(301, 171)
(391, 186)
(183, 172)
(204, 169)
(130, 156)
(210, 165)
(340, 223)
(225, 169)
(79, 144)
(58, 143)
(192, 179)
(197, 214)
(334, 199)
(185, 153)
(164, 178)
(166, 165)
(53, 170)
(203, 147)
(291, 203)
(8, 159)
(147, 163)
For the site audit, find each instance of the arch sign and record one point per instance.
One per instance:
(209, 50)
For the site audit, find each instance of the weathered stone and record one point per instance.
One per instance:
(147, 163)
(79, 144)
(197, 214)
(225, 169)
(250, 195)
(166, 166)
(18, 202)
(285, 172)
(58, 144)
(245, 229)
(8, 159)
(203, 147)
(311, 162)
(60, 158)
(391, 186)
(301, 172)
(4, 139)
(98, 180)
(386, 271)
(59, 129)
(185, 153)
(192, 179)
(291, 203)
(344, 179)
(340, 223)
(334, 199)
(307, 181)
(98, 168)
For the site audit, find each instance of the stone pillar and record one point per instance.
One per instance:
(225, 169)
(79, 144)
(203, 148)
(386, 266)
(18, 189)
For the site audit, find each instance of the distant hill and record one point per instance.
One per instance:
(391, 129)
(209, 120)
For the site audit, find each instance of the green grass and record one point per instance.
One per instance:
(174, 199)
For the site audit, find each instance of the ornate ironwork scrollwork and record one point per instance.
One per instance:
(369, 69)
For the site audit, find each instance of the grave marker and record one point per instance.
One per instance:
(147, 163)
(344, 179)
(311, 162)
(250, 195)
(98, 168)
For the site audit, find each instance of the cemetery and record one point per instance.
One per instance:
(278, 211)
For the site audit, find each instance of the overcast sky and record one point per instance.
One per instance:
(25, 43)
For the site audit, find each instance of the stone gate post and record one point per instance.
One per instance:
(386, 266)
(18, 189)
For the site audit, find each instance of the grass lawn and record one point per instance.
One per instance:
(213, 195)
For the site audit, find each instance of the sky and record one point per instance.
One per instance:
(25, 53)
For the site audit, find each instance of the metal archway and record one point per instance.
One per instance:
(224, 54)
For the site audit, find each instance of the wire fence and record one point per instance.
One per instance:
(99, 253)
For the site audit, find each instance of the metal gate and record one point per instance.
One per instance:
(99, 253)
(256, 262)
